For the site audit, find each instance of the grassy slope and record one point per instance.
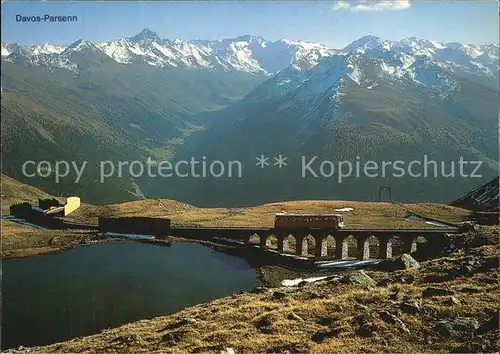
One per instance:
(14, 192)
(22, 241)
(365, 214)
(258, 323)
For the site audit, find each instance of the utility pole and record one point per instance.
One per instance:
(386, 188)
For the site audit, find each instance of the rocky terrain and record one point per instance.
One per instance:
(445, 304)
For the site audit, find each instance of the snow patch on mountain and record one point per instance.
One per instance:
(120, 50)
(47, 49)
(437, 45)
(356, 74)
(52, 62)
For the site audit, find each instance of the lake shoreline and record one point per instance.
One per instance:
(111, 284)
(19, 253)
(328, 315)
(268, 266)
(269, 269)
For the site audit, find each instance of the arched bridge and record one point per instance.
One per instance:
(285, 238)
(321, 238)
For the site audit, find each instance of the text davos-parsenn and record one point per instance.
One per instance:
(46, 18)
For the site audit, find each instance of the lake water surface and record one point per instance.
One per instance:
(56, 297)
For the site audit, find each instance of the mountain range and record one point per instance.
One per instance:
(250, 54)
(239, 98)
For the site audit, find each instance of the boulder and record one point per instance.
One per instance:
(278, 295)
(359, 278)
(410, 307)
(460, 327)
(181, 323)
(265, 324)
(326, 320)
(319, 337)
(451, 301)
(432, 291)
(388, 317)
(405, 261)
(470, 290)
(367, 329)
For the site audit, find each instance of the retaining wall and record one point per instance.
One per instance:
(135, 225)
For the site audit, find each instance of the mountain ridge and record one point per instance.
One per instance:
(484, 198)
(147, 46)
(250, 53)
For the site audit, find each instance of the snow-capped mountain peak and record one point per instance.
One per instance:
(146, 35)
(250, 39)
(81, 45)
(366, 42)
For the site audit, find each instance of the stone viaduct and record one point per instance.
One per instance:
(284, 237)
(341, 238)
(384, 238)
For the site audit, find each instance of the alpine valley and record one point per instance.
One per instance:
(240, 98)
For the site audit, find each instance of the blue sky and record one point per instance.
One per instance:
(333, 23)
